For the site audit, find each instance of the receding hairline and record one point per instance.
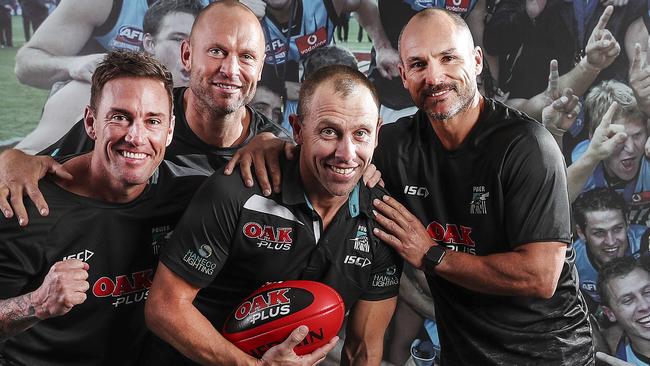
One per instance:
(229, 4)
(455, 19)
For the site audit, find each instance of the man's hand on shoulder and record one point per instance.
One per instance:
(63, 288)
(19, 174)
(263, 154)
(401, 230)
(283, 353)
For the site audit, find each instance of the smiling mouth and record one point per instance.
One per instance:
(612, 250)
(341, 171)
(133, 155)
(227, 86)
(645, 321)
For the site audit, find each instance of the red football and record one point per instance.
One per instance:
(270, 314)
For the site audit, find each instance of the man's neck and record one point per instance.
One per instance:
(283, 15)
(92, 182)
(453, 132)
(218, 130)
(326, 206)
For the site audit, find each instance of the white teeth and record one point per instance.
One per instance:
(644, 320)
(225, 86)
(131, 155)
(342, 170)
(610, 250)
(439, 93)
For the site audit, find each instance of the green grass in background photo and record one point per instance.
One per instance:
(21, 105)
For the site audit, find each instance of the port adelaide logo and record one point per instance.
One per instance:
(361, 240)
(478, 205)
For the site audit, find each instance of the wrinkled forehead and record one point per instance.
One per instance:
(355, 105)
(229, 21)
(636, 281)
(433, 33)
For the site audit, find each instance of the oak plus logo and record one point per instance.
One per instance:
(268, 236)
(265, 306)
(124, 289)
(478, 205)
(455, 237)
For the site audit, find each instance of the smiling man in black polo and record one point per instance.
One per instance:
(232, 239)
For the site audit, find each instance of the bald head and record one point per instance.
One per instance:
(433, 18)
(228, 11)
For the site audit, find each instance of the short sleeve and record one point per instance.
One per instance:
(535, 190)
(22, 256)
(200, 244)
(385, 275)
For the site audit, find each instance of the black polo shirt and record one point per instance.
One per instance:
(232, 240)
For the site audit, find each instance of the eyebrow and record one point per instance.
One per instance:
(130, 115)
(181, 34)
(449, 51)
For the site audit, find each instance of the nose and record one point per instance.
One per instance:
(230, 66)
(629, 144)
(643, 304)
(345, 150)
(136, 133)
(609, 239)
(434, 74)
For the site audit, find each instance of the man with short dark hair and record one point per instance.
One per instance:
(166, 24)
(224, 57)
(74, 283)
(624, 284)
(323, 219)
(604, 234)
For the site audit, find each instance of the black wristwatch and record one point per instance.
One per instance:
(433, 257)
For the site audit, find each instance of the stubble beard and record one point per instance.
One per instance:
(465, 97)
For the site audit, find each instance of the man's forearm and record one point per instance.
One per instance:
(579, 78)
(517, 273)
(38, 68)
(578, 173)
(368, 18)
(17, 314)
(180, 324)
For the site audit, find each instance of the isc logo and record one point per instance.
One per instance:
(416, 191)
(357, 261)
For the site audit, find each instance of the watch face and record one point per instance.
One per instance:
(434, 255)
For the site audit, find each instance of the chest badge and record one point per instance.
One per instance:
(478, 205)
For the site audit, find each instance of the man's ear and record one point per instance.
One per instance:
(296, 125)
(89, 122)
(478, 59)
(149, 44)
(609, 314)
(402, 73)
(380, 123)
(170, 132)
(580, 233)
(186, 54)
